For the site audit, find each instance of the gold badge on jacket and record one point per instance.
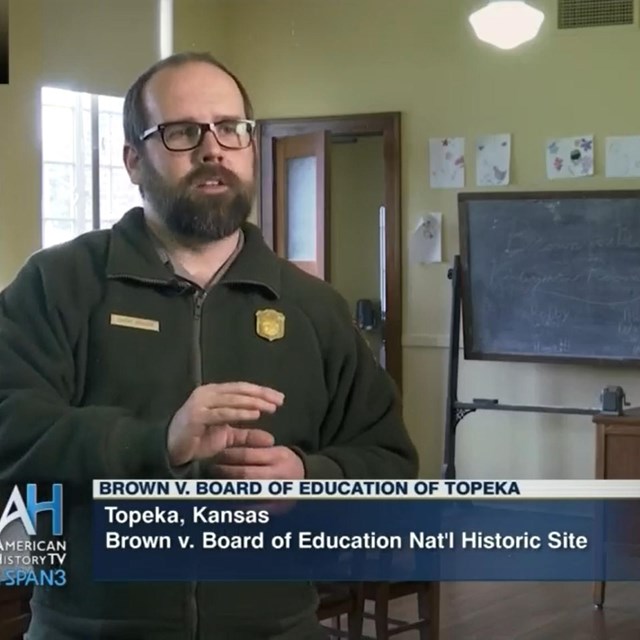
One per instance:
(270, 324)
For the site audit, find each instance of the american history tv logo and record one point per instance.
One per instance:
(32, 553)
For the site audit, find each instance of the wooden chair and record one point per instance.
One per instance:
(338, 599)
(15, 612)
(428, 604)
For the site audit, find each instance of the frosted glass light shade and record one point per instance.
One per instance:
(506, 24)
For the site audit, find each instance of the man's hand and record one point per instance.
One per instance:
(257, 463)
(203, 426)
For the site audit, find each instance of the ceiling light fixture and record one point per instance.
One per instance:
(506, 24)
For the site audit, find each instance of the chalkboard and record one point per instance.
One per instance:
(551, 276)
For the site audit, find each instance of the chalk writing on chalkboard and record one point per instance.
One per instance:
(551, 276)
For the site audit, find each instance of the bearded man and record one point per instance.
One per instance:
(178, 345)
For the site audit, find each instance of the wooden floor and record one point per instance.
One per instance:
(529, 611)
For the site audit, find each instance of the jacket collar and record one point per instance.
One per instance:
(132, 255)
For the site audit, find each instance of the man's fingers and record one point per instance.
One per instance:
(244, 389)
(237, 401)
(246, 456)
(249, 438)
(240, 472)
(224, 415)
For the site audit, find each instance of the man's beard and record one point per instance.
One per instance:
(199, 217)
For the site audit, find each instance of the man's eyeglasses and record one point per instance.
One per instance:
(185, 136)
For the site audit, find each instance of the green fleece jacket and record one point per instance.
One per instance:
(101, 343)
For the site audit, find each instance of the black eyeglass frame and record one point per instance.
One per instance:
(204, 127)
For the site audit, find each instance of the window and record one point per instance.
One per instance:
(84, 183)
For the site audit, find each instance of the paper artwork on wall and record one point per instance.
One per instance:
(493, 160)
(622, 157)
(425, 244)
(569, 157)
(446, 163)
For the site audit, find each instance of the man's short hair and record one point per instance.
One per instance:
(135, 116)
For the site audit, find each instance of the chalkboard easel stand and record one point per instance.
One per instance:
(455, 410)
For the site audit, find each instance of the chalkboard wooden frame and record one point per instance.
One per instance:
(470, 350)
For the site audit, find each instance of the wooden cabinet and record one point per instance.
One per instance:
(617, 458)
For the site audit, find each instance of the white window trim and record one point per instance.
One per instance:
(86, 213)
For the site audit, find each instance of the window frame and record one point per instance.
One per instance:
(86, 199)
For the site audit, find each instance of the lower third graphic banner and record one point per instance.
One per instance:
(380, 538)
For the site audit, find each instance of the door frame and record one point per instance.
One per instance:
(387, 125)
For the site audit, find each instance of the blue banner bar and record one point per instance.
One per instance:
(329, 540)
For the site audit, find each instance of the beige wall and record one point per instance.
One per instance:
(301, 57)
(201, 25)
(96, 46)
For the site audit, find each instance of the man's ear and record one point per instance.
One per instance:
(131, 159)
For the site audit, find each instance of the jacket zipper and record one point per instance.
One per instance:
(198, 298)
(198, 301)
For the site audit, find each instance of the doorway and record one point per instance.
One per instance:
(295, 151)
(356, 235)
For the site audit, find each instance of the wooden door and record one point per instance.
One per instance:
(302, 201)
